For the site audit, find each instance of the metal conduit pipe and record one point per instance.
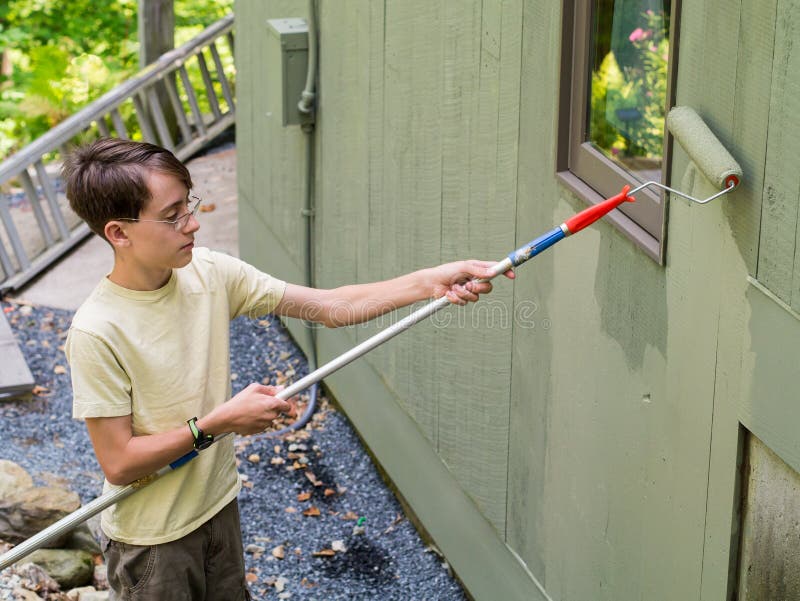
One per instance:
(306, 105)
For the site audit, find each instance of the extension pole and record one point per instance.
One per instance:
(516, 258)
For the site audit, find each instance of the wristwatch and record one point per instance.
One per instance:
(201, 439)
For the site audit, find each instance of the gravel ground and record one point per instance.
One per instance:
(306, 496)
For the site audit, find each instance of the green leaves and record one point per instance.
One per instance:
(60, 56)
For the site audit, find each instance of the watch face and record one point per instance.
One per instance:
(204, 444)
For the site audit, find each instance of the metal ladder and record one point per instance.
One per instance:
(44, 228)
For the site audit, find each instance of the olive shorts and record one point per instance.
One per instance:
(204, 565)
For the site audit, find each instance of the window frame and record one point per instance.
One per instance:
(587, 172)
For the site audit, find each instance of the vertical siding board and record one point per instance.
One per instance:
(412, 192)
(244, 103)
(788, 54)
(342, 190)
(263, 199)
(750, 123)
(776, 263)
(377, 16)
(461, 71)
(474, 407)
(537, 195)
(374, 266)
(272, 156)
(707, 80)
(743, 210)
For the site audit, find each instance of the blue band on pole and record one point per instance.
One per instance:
(533, 248)
(185, 459)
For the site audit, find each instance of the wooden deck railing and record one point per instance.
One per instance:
(179, 102)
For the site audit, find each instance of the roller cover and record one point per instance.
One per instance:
(703, 147)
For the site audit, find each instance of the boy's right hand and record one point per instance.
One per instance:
(252, 410)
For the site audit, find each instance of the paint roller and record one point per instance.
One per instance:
(705, 150)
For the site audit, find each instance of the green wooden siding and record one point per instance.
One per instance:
(778, 267)
(579, 430)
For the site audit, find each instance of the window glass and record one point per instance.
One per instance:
(629, 55)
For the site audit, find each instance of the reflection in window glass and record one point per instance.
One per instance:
(630, 52)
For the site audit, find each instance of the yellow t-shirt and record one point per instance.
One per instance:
(162, 356)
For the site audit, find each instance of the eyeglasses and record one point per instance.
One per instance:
(192, 204)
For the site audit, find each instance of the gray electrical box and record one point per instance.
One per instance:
(286, 63)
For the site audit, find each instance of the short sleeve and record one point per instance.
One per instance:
(250, 291)
(100, 385)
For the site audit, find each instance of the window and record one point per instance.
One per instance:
(616, 87)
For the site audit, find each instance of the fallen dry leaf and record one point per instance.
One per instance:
(304, 496)
(311, 512)
(254, 458)
(40, 390)
(290, 510)
(277, 461)
(313, 479)
(329, 492)
(350, 516)
(60, 370)
(324, 553)
(208, 207)
(278, 552)
(251, 578)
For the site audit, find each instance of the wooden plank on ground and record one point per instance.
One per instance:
(15, 377)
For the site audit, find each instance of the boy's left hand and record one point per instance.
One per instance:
(455, 280)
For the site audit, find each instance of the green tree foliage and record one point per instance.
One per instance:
(629, 89)
(59, 56)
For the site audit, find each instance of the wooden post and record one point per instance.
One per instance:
(157, 36)
(156, 29)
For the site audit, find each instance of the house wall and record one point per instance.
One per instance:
(578, 434)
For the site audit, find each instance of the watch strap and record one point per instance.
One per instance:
(201, 439)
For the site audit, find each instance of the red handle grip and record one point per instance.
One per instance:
(588, 216)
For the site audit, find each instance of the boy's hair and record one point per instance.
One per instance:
(106, 179)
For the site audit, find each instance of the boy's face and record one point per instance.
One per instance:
(162, 245)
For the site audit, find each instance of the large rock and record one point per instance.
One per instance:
(69, 567)
(24, 513)
(13, 478)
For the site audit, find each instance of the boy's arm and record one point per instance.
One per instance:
(124, 457)
(361, 302)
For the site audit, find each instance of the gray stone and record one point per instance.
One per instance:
(83, 538)
(34, 578)
(27, 512)
(94, 596)
(87, 593)
(13, 478)
(76, 594)
(69, 567)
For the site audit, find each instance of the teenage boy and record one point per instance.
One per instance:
(149, 355)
